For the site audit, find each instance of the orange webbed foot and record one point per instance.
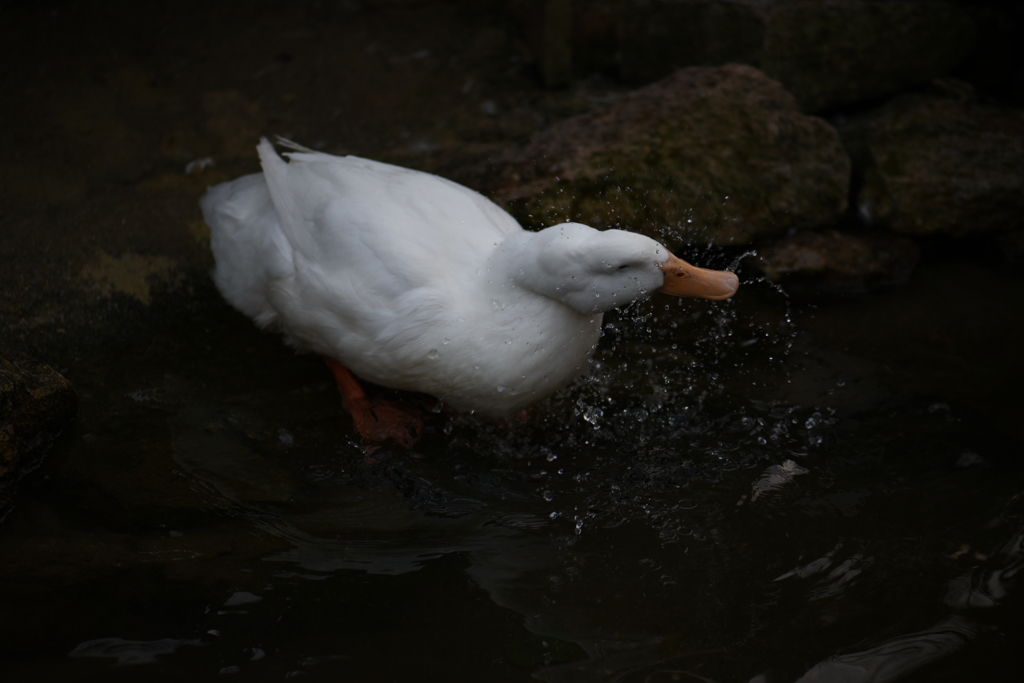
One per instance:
(379, 420)
(376, 420)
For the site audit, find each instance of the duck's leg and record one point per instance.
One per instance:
(376, 420)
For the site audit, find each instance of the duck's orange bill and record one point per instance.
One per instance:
(682, 279)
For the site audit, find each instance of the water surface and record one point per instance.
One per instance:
(736, 491)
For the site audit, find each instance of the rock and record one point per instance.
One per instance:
(838, 52)
(936, 165)
(833, 263)
(717, 155)
(641, 41)
(36, 405)
(827, 53)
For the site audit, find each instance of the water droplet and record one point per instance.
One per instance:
(500, 388)
(593, 415)
(432, 354)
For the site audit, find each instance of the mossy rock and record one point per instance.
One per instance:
(36, 405)
(712, 155)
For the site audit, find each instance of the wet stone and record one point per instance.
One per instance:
(36, 405)
(836, 263)
(935, 164)
(718, 155)
(640, 41)
(828, 54)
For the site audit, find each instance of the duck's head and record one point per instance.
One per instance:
(596, 270)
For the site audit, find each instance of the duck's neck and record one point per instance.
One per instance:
(532, 261)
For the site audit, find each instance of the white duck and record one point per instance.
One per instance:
(417, 283)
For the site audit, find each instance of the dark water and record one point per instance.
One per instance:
(744, 490)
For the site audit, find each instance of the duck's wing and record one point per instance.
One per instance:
(393, 229)
(410, 224)
(373, 244)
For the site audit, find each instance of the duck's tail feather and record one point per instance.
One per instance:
(279, 176)
(285, 142)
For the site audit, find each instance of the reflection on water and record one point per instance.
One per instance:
(735, 492)
(130, 651)
(894, 659)
(989, 587)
